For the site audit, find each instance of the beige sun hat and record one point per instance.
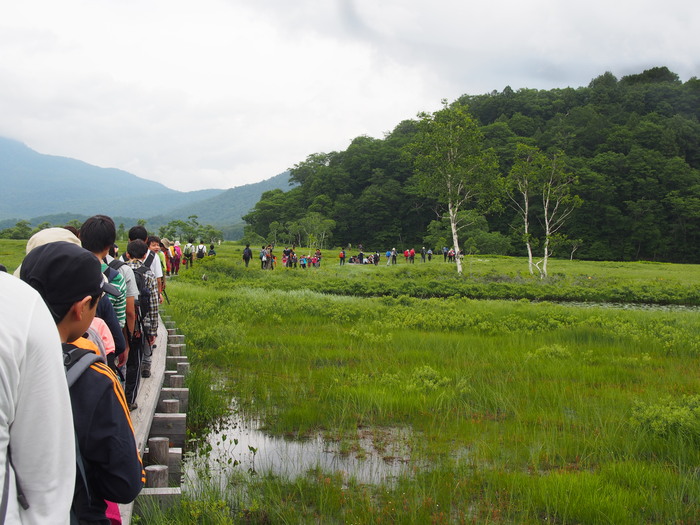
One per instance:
(46, 236)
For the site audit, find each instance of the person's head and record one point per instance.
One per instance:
(211, 246)
(98, 233)
(69, 279)
(137, 249)
(153, 243)
(190, 240)
(138, 232)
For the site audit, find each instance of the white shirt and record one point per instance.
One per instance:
(156, 267)
(35, 409)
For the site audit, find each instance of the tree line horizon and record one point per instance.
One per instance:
(624, 153)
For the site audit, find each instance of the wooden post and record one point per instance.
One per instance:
(181, 394)
(170, 406)
(176, 339)
(156, 476)
(177, 381)
(158, 450)
(183, 368)
(166, 377)
(171, 361)
(176, 349)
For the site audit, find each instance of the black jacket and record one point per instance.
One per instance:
(106, 440)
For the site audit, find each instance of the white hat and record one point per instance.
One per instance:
(46, 236)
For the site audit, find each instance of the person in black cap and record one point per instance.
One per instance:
(70, 281)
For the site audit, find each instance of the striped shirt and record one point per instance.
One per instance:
(119, 303)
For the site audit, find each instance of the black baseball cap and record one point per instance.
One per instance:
(63, 273)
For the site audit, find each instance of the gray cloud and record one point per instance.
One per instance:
(226, 92)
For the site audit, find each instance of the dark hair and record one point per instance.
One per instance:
(138, 232)
(153, 238)
(72, 229)
(137, 249)
(97, 233)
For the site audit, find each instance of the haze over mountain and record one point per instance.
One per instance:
(41, 186)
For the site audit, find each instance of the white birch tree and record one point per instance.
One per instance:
(534, 175)
(453, 166)
(522, 178)
(558, 202)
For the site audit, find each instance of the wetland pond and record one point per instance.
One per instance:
(378, 455)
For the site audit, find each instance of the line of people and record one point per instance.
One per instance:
(67, 446)
(290, 259)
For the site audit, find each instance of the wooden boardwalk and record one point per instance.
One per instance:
(148, 404)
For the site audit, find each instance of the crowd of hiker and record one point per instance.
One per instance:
(290, 258)
(78, 327)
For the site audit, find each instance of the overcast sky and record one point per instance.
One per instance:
(221, 93)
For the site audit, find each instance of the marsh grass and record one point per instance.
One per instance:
(518, 412)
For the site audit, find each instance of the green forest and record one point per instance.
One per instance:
(629, 146)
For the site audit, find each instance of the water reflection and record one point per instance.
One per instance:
(378, 455)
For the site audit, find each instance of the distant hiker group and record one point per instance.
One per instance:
(290, 259)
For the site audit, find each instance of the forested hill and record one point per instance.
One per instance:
(633, 143)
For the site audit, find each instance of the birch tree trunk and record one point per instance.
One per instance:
(455, 239)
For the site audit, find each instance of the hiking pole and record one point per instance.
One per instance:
(165, 294)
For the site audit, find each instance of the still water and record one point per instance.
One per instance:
(378, 455)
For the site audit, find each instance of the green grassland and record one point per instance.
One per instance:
(11, 253)
(516, 411)
(514, 405)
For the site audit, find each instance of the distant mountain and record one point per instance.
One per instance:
(228, 207)
(35, 184)
(46, 188)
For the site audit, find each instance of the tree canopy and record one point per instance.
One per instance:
(632, 144)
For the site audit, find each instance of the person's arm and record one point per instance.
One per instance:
(44, 461)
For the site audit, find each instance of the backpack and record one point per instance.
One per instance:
(188, 249)
(76, 361)
(95, 337)
(149, 259)
(142, 302)
(115, 264)
(200, 252)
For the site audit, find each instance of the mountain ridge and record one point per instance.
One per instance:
(32, 181)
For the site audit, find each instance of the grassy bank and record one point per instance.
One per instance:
(484, 278)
